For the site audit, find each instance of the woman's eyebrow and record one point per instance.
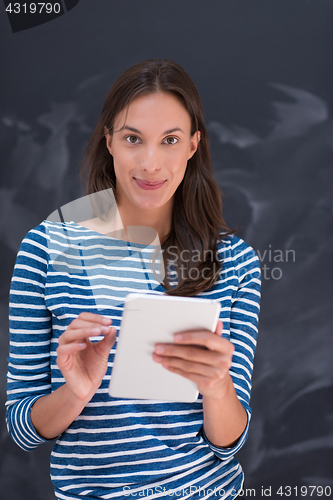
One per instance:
(132, 129)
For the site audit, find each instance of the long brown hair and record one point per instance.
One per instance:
(197, 211)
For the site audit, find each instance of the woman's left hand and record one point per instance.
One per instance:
(199, 355)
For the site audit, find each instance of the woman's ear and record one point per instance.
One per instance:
(108, 139)
(195, 139)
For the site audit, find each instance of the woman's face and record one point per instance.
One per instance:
(151, 145)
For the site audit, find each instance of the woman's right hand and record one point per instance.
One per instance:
(83, 363)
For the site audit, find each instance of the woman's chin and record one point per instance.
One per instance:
(149, 204)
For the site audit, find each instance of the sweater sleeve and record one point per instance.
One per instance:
(243, 334)
(28, 376)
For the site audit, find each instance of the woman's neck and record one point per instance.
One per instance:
(158, 219)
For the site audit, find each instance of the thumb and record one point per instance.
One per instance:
(104, 346)
(219, 327)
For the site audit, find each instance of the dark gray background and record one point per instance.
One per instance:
(264, 71)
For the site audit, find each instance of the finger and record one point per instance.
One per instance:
(205, 385)
(104, 346)
(86, 319)
(67, 349)
(196, 372)
(192, 353)
(78, 334)
(198, 379)
(95, 318)
(211, 367)
(204, 338)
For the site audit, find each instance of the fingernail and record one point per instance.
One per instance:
(158, 359)
(105, 329)
(178, 336)
(159, 349)
(107, 321)
(96, 330)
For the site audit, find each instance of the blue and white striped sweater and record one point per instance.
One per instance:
(119, 448)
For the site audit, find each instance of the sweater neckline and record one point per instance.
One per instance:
(107, 237)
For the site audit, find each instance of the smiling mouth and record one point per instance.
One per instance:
(148, 184)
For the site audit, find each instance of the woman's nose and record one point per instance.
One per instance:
(151, 160)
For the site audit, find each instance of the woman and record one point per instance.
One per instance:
(150, 148)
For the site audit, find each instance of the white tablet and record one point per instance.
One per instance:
(149, 319)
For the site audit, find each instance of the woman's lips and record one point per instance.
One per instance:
(149, 185)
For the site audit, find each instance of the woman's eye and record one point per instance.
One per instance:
(133, 139)
(171, 140)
